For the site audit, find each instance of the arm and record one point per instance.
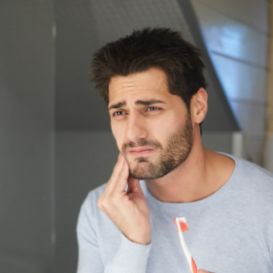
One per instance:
(123, 201)
(129, 212)
(89, 260)
(130, 257)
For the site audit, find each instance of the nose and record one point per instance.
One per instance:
(136, 128)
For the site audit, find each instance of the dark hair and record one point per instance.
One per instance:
(158, 47)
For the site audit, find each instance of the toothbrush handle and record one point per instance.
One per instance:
(194, 266)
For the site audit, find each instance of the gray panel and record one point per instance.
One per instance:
(84, 161)
(221, 142)
(118, 19)
(27, 137)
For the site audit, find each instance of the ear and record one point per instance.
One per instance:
(199, 106)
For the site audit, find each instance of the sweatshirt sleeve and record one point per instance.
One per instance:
(129, 258)
(89, 260)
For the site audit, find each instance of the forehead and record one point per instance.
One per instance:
(151, 83)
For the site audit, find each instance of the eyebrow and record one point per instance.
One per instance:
(117, 105)
(148, 102)
(138, 102)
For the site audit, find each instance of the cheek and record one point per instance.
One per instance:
(164, 128)
(118, 136)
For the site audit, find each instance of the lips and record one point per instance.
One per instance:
(140, 150)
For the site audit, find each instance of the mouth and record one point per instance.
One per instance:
(140, 151)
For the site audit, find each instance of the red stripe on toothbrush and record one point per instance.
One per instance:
(183, 226)
(194, 266)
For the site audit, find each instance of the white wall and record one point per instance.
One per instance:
(236, 34)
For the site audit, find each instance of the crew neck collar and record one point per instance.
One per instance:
(218, 195)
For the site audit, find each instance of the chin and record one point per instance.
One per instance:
(146, 172)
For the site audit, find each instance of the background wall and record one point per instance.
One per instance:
(84, 161)
(45, 50)
(269, 116)
(236, 34)
(26, 137)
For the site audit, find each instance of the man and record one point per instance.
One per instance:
(153, 84)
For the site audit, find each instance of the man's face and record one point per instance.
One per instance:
(151, 126)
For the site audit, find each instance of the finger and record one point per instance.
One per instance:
(118, 180)
(122, 178)
(115, 173)
(118, 167)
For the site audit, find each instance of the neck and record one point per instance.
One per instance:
(200, 175)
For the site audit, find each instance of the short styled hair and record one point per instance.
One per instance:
(162, 48)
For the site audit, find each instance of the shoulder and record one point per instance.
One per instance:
(252, 171)
(93, 195)
(258, 191)
(90, 215)
(89, 204)
(255, 180)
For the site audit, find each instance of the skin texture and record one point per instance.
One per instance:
(138, 124)
(152, 127)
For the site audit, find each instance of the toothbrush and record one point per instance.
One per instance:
(182, 226)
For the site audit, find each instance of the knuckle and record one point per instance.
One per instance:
(101, 202)
(104, 203)
(108, 200)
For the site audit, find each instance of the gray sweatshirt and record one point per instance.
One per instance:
(231, 231)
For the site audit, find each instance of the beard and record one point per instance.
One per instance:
(177, 150)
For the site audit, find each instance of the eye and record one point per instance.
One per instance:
(152, 109)
(118, 114)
